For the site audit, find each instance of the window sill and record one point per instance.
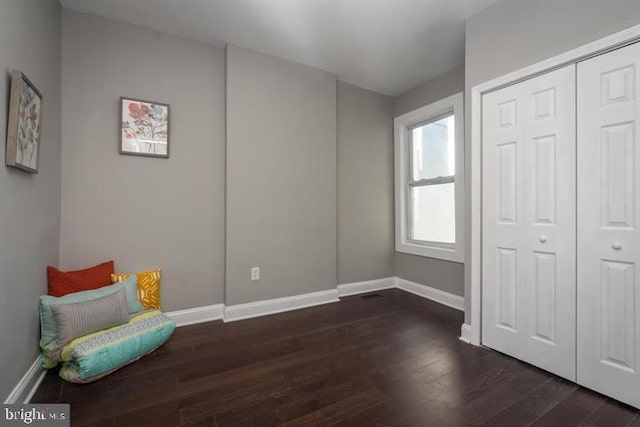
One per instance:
(446, 254)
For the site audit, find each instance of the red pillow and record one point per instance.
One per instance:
(65, 282)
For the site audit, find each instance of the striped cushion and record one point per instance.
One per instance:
(75, 320)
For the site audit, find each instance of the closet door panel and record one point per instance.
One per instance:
(609, 215)
(529, 221)
(503, 220)
(550, 271)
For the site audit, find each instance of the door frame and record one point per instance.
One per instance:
(472, 333)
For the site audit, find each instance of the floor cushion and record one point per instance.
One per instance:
(93, 356)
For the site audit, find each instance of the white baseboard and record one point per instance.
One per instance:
(278, 305)
(366, 286)
(442, 297)
(28, 384)
(465, 333)
(191, 316)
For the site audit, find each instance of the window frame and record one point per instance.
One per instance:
(403, 126)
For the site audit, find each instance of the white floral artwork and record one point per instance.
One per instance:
(24, 127)
(28, 127)
(144, 128)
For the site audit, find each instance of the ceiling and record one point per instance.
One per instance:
(388, 46)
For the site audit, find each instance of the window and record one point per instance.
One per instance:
(430, 180)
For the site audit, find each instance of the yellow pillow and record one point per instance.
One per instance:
(148, 287)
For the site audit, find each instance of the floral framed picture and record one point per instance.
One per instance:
(144, 128)
(24, 124)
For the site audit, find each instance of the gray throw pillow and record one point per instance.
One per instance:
(78, 319)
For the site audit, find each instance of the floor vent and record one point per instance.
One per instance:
(369, 296)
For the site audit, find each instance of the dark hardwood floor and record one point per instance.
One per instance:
(393, 360)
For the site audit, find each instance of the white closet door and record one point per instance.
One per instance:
(609, 217)
(529, 221)
(550, 214)
(503, 220)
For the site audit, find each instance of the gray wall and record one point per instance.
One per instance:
(440, 274)
(365, 185)
(433, 90)
(29, 204)
(281, 177)
(513, 34)
(143, 212)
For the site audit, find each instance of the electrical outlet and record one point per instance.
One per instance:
(255, 273)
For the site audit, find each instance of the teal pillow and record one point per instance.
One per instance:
(131, 288)
(47, 320)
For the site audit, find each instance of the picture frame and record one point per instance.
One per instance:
(144, 128)
(24, 125)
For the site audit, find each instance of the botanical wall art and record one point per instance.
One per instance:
(24, 124)
(144, 128)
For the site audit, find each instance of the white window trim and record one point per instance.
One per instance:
(402, 124)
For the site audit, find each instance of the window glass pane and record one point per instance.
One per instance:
(433, 149)
(433, 213)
